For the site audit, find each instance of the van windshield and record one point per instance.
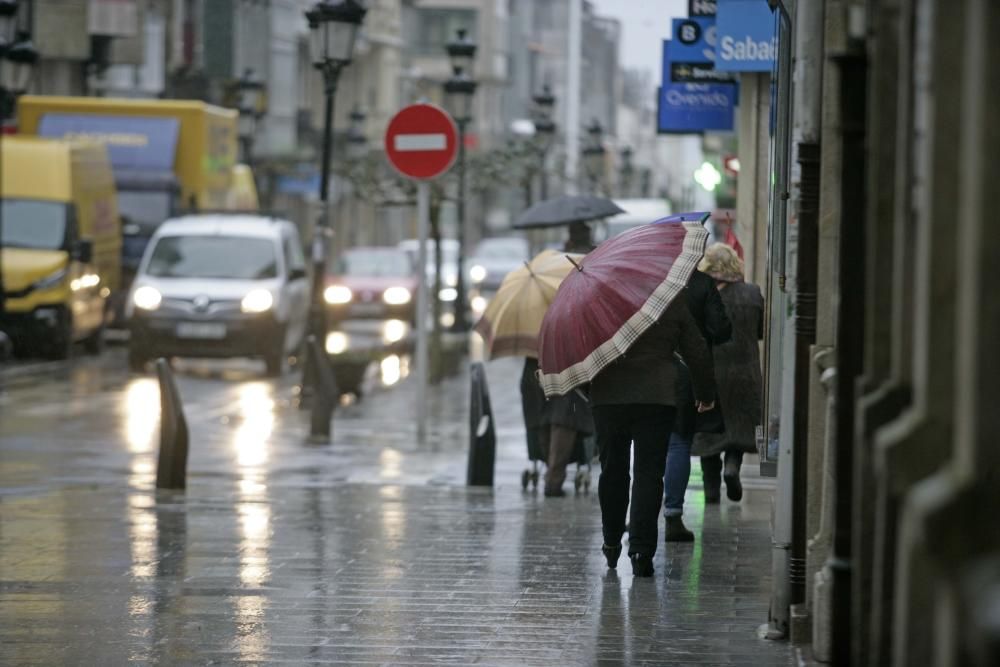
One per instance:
(222, 257)
(30, 223)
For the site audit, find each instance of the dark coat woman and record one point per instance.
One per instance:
(737, 376)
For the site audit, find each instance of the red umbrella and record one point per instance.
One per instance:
(619, 291)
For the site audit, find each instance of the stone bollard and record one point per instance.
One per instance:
(325, 395)
(482, 433)
(171, 467)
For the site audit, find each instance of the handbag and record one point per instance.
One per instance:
(711, 421)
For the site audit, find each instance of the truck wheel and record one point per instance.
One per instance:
(137, 360)
(61, 345)
(275, 363)
(94, 344)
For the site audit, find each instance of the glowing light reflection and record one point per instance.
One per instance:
(257, 411)
(142, 414)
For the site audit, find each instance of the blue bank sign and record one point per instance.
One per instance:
(745, 38)
(691, 108)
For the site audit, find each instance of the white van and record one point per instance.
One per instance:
(637, 212)
(220, 286)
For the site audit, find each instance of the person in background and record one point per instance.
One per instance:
(737, 376)
(633, 400)
(705, 304)
(568, 417)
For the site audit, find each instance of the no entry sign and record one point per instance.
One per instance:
(421, 141)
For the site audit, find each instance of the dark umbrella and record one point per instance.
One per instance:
(566, 210)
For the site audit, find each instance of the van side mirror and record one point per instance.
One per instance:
(297, 274)
(83, 251)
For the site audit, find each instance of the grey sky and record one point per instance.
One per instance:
(645, 24)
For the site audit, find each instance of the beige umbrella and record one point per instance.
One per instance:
(513, 318)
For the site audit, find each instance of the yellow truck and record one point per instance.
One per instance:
(169, 157)
(60, 243)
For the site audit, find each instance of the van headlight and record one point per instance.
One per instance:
(51, 280)
(257, 301)
(147, 298)
(478, 273)
(397, 296)
(336, 295)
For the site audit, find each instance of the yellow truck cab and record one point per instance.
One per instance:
(60, 243)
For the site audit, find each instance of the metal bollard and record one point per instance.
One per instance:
(326, 394)
(482, 434)
(171, 467)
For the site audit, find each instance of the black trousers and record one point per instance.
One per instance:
(649, 427)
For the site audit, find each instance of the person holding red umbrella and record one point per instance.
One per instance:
(615, 323)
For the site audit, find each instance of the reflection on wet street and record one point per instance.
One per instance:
(368, 550)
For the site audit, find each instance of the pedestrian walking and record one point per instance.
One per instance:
(737, 376)
(615, 324)
(705, 304)
(568, 416)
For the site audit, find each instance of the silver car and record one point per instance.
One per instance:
(220, 286)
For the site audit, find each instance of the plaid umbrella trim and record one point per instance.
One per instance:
(582, 372)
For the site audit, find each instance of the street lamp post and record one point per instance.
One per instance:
(625, 186)
(357, 148)
(333, 28)
(250, 105)
(17, 62)
(545, 131)
(593, 154)
(459, 90)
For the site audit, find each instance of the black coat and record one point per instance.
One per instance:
(705, 304)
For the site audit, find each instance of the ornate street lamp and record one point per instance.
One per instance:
(459, 91)
(250, 96)
(545, 132)
(357, 142)
(593, 154)
(333, 30)
(625, 185)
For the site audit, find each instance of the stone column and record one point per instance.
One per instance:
(752, 186)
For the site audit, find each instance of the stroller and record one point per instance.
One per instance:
(534, 405)
(538, 452)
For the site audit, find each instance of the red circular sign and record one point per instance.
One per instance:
(421, 141)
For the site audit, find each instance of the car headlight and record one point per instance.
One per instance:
(478, 273)
(397, 296)
(51, 280)
(448, 294)
(394, 331)
(336, 342)
(337, 294)
(257, 301)
(147, 298)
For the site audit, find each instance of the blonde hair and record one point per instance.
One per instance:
(722, 263)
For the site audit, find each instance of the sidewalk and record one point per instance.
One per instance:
(369, 551)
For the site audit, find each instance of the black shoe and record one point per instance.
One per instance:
(713, 496)
(611, 554)
(676, 531)
(642, 565)
(734, 489)
(554, 493)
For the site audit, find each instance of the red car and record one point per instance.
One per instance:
(372, 283)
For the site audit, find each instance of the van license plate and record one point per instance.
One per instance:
(204, 330)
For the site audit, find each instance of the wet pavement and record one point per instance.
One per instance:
(366, 551)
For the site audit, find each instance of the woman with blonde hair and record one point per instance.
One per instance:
(737, 376)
